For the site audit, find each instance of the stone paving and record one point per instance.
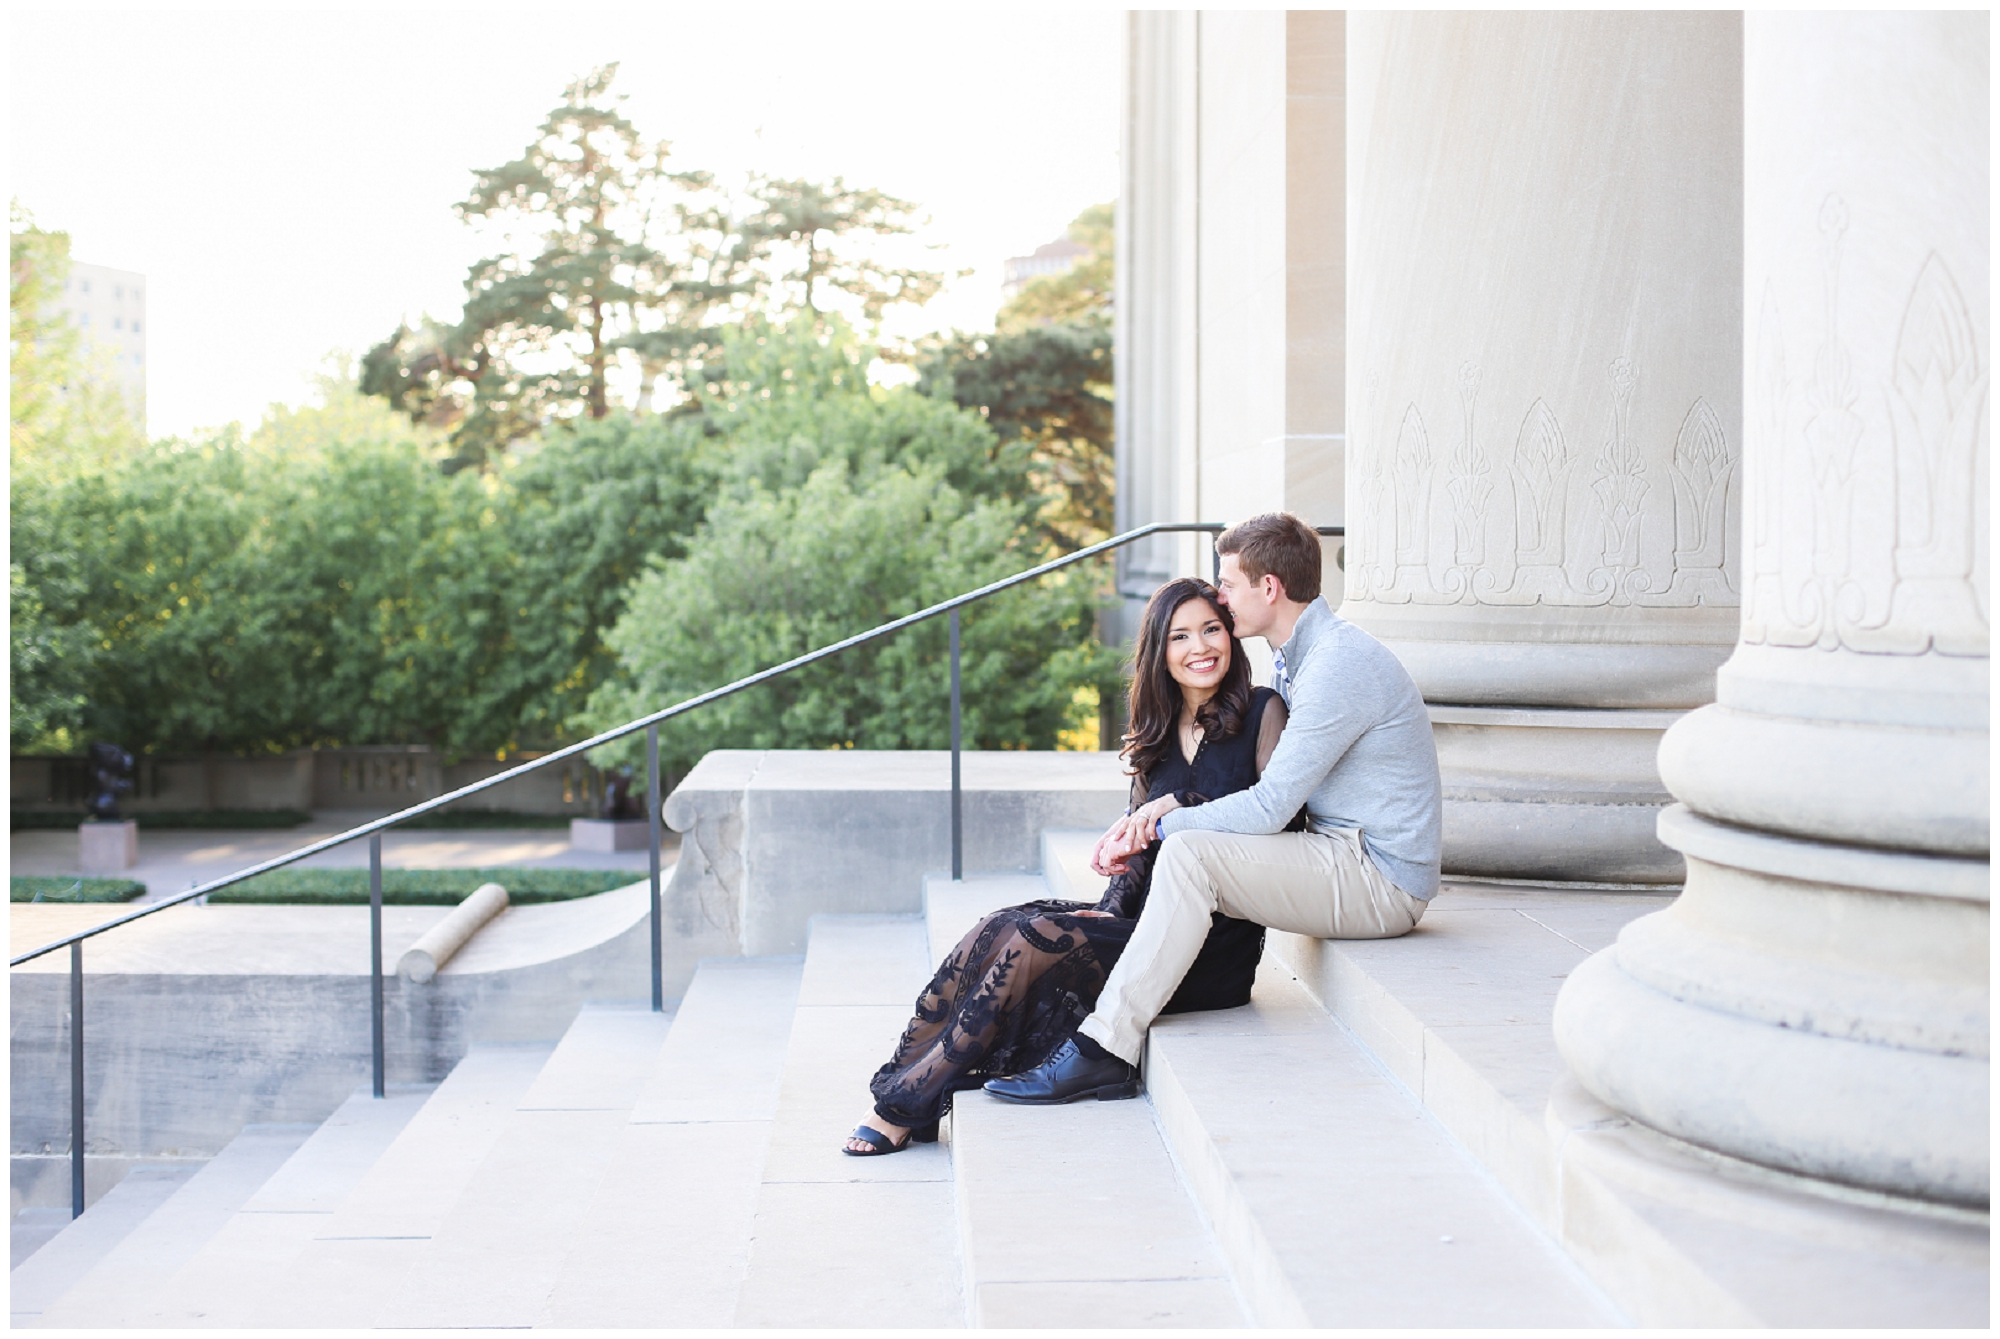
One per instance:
(173, 861)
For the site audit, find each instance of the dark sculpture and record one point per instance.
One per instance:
(619, 806)
(111, 776)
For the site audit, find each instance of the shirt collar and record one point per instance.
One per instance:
(1312, 625)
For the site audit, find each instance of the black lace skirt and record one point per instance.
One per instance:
(1017, 986)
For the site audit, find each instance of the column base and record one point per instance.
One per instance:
(1680, 1236)
(1560, 795)
(1816, 1009)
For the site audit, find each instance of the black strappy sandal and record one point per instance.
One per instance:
(881, 1143)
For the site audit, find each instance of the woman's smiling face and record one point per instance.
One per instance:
(1197, 646)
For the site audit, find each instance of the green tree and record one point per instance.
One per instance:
(774, 574)
(584, 513)
(838, 507)
(539, 333)
(1079, 295)
(819, 239)
(65, 409)
(623, 266)
(1047, 389)
(798, 398)
(1044, 378)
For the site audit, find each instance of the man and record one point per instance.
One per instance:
(1357, 754)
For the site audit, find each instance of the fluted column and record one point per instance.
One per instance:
(1817, 1000)
(1543, 407)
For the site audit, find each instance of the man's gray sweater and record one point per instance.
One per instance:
(1357, 753)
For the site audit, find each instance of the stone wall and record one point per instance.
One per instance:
(385, 777)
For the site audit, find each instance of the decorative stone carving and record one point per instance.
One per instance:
(1817, 1000)
(1543, 443)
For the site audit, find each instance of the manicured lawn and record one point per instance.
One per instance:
(44, 888)
(421, 887)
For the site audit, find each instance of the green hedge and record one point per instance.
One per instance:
(449, 820)
(39, 888)
(422, 887)
(42, 820)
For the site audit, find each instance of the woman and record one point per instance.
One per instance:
(1022, 980)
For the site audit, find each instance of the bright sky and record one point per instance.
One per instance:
(284, 178)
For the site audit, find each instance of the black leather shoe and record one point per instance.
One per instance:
(1069, 1076)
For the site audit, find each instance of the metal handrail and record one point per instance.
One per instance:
(650, 724)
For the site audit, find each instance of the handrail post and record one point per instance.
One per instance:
(76, 1078)
(957, 810)
(375, 950)
(653, 802)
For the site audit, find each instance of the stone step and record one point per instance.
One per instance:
(667, 1238)
(115, 1291)
(953, 907)
(1100, 1232)
(494, 1258)
(841, 1241)
(1076, 1216)
(1460, 1012)
(1066, 864)
(75, 1246)
(222, 1285)
(1338, 1199)
(363, 1250)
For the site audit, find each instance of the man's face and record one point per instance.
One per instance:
(1253, 603)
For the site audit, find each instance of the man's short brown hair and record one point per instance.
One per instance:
(1277, 544)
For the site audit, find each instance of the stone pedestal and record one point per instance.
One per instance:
(605, 834)
(1543, 404)
(107, 848)
(1817, 1000)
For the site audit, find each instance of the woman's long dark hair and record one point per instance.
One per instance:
(1156, 699)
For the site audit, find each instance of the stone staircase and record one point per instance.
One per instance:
(684, 1170)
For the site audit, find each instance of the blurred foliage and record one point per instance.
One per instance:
(1043, 379)
(1079, 295)
(66, 410)
(616, 263)
(839, 508)
(227, 820)
(321, 581)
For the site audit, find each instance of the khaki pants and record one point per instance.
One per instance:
(1310, 883)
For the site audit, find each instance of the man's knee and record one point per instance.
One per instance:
(1181, 869)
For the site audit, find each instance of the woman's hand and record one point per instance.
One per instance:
(1144, 822)
(1107, 858)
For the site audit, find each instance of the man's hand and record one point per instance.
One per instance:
(1129, 836)
(1107, 858)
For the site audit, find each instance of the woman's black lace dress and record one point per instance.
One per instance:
(1021, 980)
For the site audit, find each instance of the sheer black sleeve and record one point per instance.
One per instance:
(1126, 893)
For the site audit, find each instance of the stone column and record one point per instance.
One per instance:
(1543, 407)
(1272, 304)
(1817, 1000)
(1156, 363)
(1230, 303)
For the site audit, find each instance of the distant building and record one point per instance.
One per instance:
(109, 307)
(1058, 257)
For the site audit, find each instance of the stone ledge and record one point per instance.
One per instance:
(776, 837)
(1460, 1012)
